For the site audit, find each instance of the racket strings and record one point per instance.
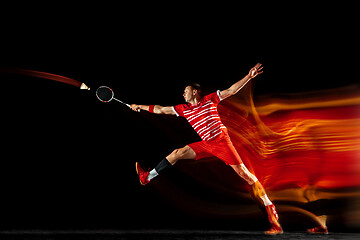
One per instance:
(104, 94)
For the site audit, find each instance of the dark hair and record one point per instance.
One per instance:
(195, 86)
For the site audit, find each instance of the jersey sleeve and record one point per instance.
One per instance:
(214, 97)
(178, 110)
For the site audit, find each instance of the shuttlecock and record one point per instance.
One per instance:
(83, 86)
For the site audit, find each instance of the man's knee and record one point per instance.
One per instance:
(174, 156)
(180, 153)
(244, 173)
(240, 169)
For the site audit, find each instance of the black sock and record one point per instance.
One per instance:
(163, 165)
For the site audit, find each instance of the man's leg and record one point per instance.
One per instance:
(258, 193)
(178, 154)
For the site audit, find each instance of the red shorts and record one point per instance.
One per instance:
(220, 147)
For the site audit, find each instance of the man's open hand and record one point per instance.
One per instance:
(256, 70)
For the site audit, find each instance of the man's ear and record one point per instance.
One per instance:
(194, 92)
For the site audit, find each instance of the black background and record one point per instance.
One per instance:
(68, 159)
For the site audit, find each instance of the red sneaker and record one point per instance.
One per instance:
(273, 219)
(274, 230)
(318, 230)
(142, 174)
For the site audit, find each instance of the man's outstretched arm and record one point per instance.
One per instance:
(256, 70)
(153, 108)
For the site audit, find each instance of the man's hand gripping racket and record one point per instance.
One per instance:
(135, 107)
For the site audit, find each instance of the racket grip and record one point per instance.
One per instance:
(130, 107)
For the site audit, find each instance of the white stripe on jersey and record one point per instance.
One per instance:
(204, 119)
(208, 127)
(199, 111)
(212, 109)
(186, 112)
(213, 134)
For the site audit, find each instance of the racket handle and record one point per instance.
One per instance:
(130, 107)
(124, 103)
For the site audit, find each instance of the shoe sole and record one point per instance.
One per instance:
(318, 233)
(324, 231)
(273, 233)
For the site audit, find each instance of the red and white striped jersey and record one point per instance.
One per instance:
(203, 117)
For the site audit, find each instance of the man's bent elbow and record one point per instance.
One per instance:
(162, 110)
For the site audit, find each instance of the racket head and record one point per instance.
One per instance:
(104, 94)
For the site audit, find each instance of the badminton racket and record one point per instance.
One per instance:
(106, 94)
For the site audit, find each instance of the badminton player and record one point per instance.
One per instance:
(201, 112)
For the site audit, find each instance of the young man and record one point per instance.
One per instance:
(201, 113)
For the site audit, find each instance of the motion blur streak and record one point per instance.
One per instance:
(45, 75)
(304, 148)
(311, 145)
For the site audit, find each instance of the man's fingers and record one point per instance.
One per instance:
(258, 65)
(134, 107)
(258, 68)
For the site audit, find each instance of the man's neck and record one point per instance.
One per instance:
(195, 101)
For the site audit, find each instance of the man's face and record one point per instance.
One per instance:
(189, 94)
